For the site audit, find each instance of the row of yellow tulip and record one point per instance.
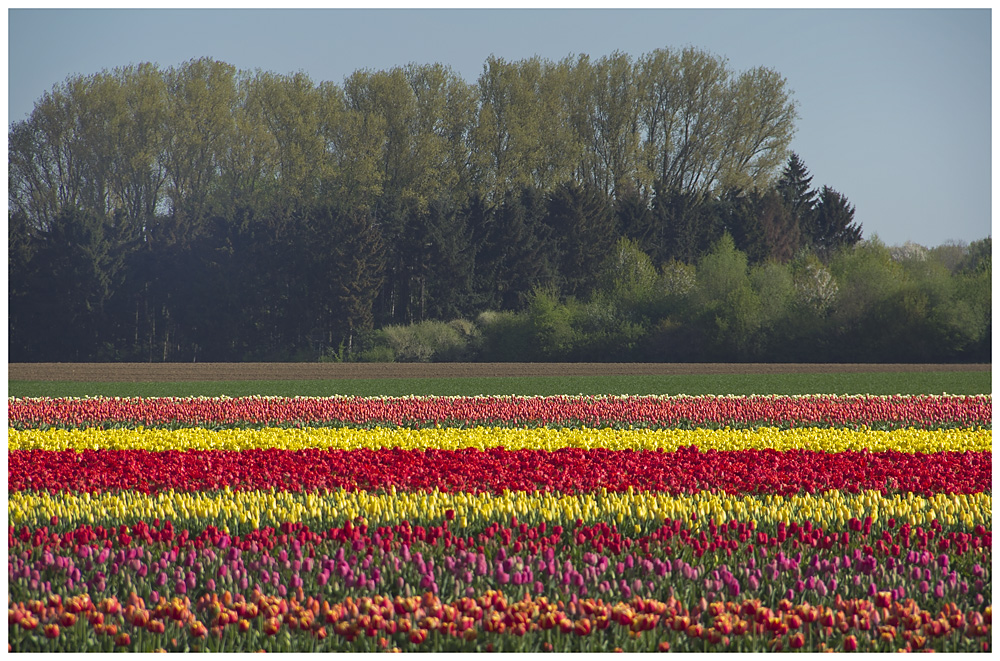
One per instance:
(762, 438)
(643, 510)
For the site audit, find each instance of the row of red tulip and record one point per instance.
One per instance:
(862, 536)
(568, 470)
(918, 410)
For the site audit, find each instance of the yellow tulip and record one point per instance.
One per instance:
(819, 439)
(645, 509)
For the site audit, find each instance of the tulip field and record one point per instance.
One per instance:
(592, 523)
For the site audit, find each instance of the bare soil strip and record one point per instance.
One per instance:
(153, 372)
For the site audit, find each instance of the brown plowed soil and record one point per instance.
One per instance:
(139, 372)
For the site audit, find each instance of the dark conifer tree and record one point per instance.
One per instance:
(685, 226)
(346, 262)
(515, 256)
(447, 290)
(77, 266)
(635, 218)
(584, 229)
(834, 227)
(798, 197)
(221, 306)
(20, 247)
(739, 214)
(360, 254)
(780, 228)
(405, 245)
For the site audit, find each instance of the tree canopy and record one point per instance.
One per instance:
(201, 212)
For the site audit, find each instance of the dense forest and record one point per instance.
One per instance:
(614, 209)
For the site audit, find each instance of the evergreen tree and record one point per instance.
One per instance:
(405, 243)
(685, 224)
(739, 214)
(781, 229)
(222, 304)
(515, 255)
(446, 289)
(76, 269)
(834, 226)
(634, 217)
(797, 196)
(20, 247)
(360, 255)
(346, 261)
(584, 230)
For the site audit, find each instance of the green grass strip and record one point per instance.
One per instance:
(873, 383)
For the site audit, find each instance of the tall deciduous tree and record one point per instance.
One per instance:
(355, 141)
(200, 113)
(92, 144)
(388, 97)
(445, 110)
(522, 135)
(705, 130)
(288, 106)
(605, 116)
(758, 127)
(731, 312)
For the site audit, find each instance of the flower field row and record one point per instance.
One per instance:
(495, 470)
(244, 509)
(519, 524)
(831, 439)
(830, 410)
(492, 621)
(670, 580)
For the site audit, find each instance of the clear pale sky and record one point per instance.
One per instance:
(894, 104)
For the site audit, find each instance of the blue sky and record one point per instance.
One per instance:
(894, 104)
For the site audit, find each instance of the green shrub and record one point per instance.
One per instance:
(428, 341)
(377, 354)
(503, 336)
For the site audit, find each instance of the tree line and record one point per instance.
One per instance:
(204, 213)
(869, 303)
